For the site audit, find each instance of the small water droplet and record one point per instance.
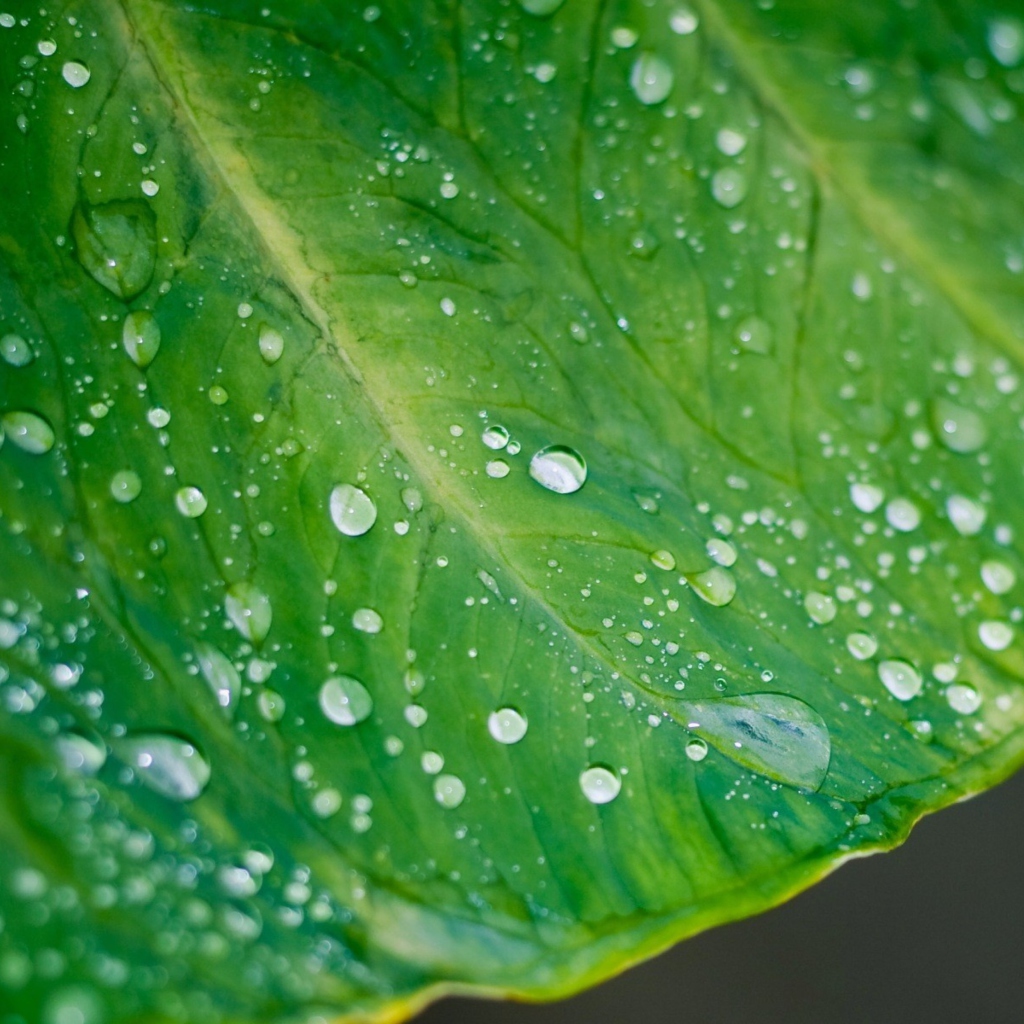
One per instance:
(729, 187)
(651, 79)
(345, 701)
(506, 725)
(125, 486)
(219, 396)
(249, 610)
(716, 586)
(366, 620)
(28, 431)
(820, 607)
(449, 791)
(600, 784)
(730, 142)
(966, 515)
(683, 21)
(963, 698)
(495, 437)
(15, 350)
(866, 498)
(755, 335)
(190, 501)
(559, 469)
(903, 515)
(169, 765)
(861, 646)
(352, 510)
(663, 560)
(271, 344)
(271, 705)
(623, 37)
(75, 74)
(900, 678)
(995, 635)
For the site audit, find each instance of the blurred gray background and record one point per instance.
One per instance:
(933, 932)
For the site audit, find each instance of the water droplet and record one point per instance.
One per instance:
(777, 736)
(448, 307)
(900, 678)
(1006, 41)
(683, 21)
(721, 551)
(75, 74)
(271, 344)
(755, 335)
(219, 396)
(448, 189)
(506, 725)
(729, 187)
(220, 675)
(149, 187)
(190, 501)
(651, 79)
(960, 430)
(730, 142)
(271, 705)
(717, 586)
(412, 499)
(663, 560)
(74, 1005)
(820, 607)
(995, 635)
(249, 610)
(623, 37)
(158, 417)
(600, 785)
(125, 486)
(15, 350)
(366, 620)
(449, 791)
(696, 749)
(997, 576)
(966, 515)
(541, 8)
(78, 753)
(497, 469)
(559, 469)
(169, 765)
(414, 681)
(866, 498)
(28, 431)
(495, 437)
(903, 515)
(326, 803)
(861, 646)
(963, 698)
(415, 715)
(352, 510)
(116, 243)
(578, 332)
(345, 701)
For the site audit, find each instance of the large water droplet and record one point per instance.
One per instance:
(190, 502)
(963, 698)
(125, 486)
(820, 607)
(997, 576)
(696, 749)
(495, 437)
(78, 753)
(862, 646)
(903, 515)
(345, 701)
(352, 510)
(169, 765)
(600, 785)
(75, 74)
(220, 675)
(366, 620)
(506, 725)
(866, 498)
(995, 635)
(729, 187)
(15, 350)
(559, 469)
(271, 344)
(449, 791)
(966, 515)
(651, 79)
(683, 21)
(755, 335)
(249, 610)
(541, 8)
(116, 244)
(28, 431)
(717, 586)
(1006, 41)
(721, 551)
(900, 678)
(141, 337)
(960, 430)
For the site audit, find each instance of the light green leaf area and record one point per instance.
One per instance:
(489, 489)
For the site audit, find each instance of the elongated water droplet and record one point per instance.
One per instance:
(271, 344)
(683, 21)
(729, 187)
(116, 244)
(775, 735)
(271, 705)
(861, 646)
(169, 765)
(15, 350)
(559, 468)
(125, 486)
(651, 79)
(190, 502)
(221, 676)
(663, 559)
(352, 510)
(966, 515)
(28, 431)
(345, 701)
(141, 337)
(600, 784)
(249, 610)
(506, 725)
(900, 678)
(716, 586)
(960, 430)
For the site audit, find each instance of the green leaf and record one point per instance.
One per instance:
(489, 489)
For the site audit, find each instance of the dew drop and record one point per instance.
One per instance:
(352, 510)
(75, 74)
(506, 725)
(820, 607)
(190, 501)
(903, 515)
(960, 430)
(651, 79)
(169, 765)
(997, 576)
(862, 646)
(271, 344)
(497, 469)
(271, 705)
(495, 437)
(326, 803)
(721, 551)
(755, 335)
(683, 21)
(696, 749)
(220, 675)
(900, 678)
(125, 486)
(15, 350)
(249, 610)
(449, 791)
(600, 785)
(729, 187)
(663, 559)
(116, 243)
(995, 635)
(730, 142)
(966, 515)
(366, 620)
(541, 8)
(716, 586)
(1006, 41)
(77, 753)
(345, 701)
(963, 698)
(431, 762)
(28, 431)
(866, 498)
(559, 469)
